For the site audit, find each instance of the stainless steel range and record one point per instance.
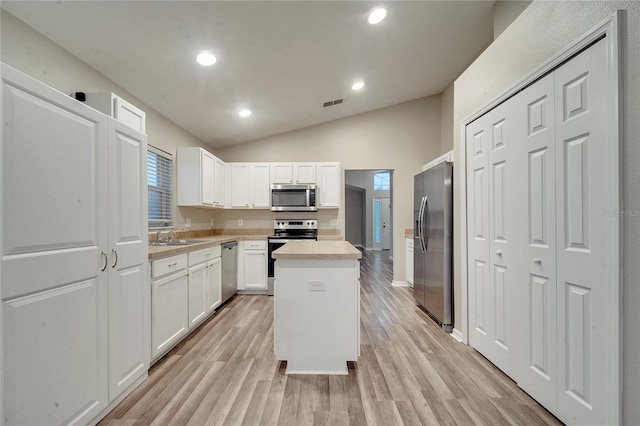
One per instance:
(286, 230)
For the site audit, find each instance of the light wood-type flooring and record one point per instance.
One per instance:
(409, 372)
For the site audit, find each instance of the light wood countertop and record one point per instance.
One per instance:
(158, 252)
(324, 250)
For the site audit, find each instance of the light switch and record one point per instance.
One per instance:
(334, 222)
(316, 286)
(240, 222)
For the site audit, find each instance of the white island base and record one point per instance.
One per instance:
(317, 312)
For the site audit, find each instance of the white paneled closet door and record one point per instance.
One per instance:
(494, 227)
(586, 306)
(536, 295)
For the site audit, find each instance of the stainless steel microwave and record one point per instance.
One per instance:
(293, 198)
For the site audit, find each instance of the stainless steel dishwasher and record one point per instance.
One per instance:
(229, 270)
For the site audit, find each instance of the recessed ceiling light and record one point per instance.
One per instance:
(357, 85)
(244, 113)
(206, 59)
(377, 15)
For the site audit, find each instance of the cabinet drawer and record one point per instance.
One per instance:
(255, 245)
(162, 267)
(204, 255)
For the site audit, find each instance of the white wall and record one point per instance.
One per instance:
(400, 138)
(541, 31)
(505, 12)
(32, 53)
(446, 119)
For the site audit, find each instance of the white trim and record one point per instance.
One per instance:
(457, 335)
(611, 28)
(400, 283)
(444, 157)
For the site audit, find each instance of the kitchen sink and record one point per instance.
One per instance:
(176, 243)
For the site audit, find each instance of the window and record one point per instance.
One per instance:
(376, 215)
(381, 181)
(160, 184)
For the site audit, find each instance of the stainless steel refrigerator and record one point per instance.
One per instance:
(433, 243)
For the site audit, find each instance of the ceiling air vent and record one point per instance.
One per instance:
(333, 102)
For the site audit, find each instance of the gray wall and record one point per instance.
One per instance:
(354, 220)
(542, 30)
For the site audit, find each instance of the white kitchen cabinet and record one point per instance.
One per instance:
(72, 259)
(205, 279)
(293, 173)
(409, 260)
(169, 304)
(329, 189)
(116, 107)
(214, 284)
(252, 265)
(197, 294)
(129, 294)
(250, 185)
(197, 170)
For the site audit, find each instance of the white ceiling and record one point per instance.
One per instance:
(282, 60)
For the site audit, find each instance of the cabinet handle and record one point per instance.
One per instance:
(207, 255)
(171, 265)
(115, 252)
(106, 261)
(537, 261)
(499, 253)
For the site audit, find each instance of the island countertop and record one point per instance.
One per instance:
(324, 250)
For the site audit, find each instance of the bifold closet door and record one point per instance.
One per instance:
(535, 296)
(586, 167)
(493, 227)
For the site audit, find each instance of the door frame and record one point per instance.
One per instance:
(611, 29)
(373, 224)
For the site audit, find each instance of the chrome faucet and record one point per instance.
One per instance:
(159, 236)
(171, 235)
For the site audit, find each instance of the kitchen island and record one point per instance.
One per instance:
(317, 306)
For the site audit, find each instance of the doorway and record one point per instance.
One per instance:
(362, 188)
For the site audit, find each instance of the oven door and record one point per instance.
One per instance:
(274, 244)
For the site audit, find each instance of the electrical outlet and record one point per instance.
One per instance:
(212, 223)
(240, 222)
(334, 222)
(316, 286)
(187, 222)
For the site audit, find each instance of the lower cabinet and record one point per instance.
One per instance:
(185, 290)
(409, 260)
(252, 265)
(169, 307)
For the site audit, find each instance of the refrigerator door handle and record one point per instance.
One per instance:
(419, 224)
(422, 211)
(426, 213)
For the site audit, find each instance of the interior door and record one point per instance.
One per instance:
(129, 292)
(54, 244)
(536, 290)
(587, 169)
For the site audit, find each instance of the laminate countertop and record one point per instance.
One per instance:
(158, 252)
(323, 250)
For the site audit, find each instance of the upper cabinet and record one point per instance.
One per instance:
(329, 188)
(116, 107)
(200, 178)
(293, 173)
(249, 186)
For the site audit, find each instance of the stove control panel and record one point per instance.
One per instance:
(285, 224)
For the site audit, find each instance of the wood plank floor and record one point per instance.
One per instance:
(409, 373)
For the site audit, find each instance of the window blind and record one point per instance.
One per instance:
(160, 184)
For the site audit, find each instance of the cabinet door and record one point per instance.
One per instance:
(240, 185)
(218, 181)
(255, 270)
(214, 284)
(259, 187)
(207, 177)
(129, 296)
(169, 311)
(281, 173)
(197, 294)
(54, 238)
(329, 189)
(304, 172)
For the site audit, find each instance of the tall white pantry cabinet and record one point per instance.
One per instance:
(541, 175)
(75, 304)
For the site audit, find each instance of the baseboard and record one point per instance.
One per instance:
(369, 249)
(400, 283)
(457, 334)
(252, 292)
